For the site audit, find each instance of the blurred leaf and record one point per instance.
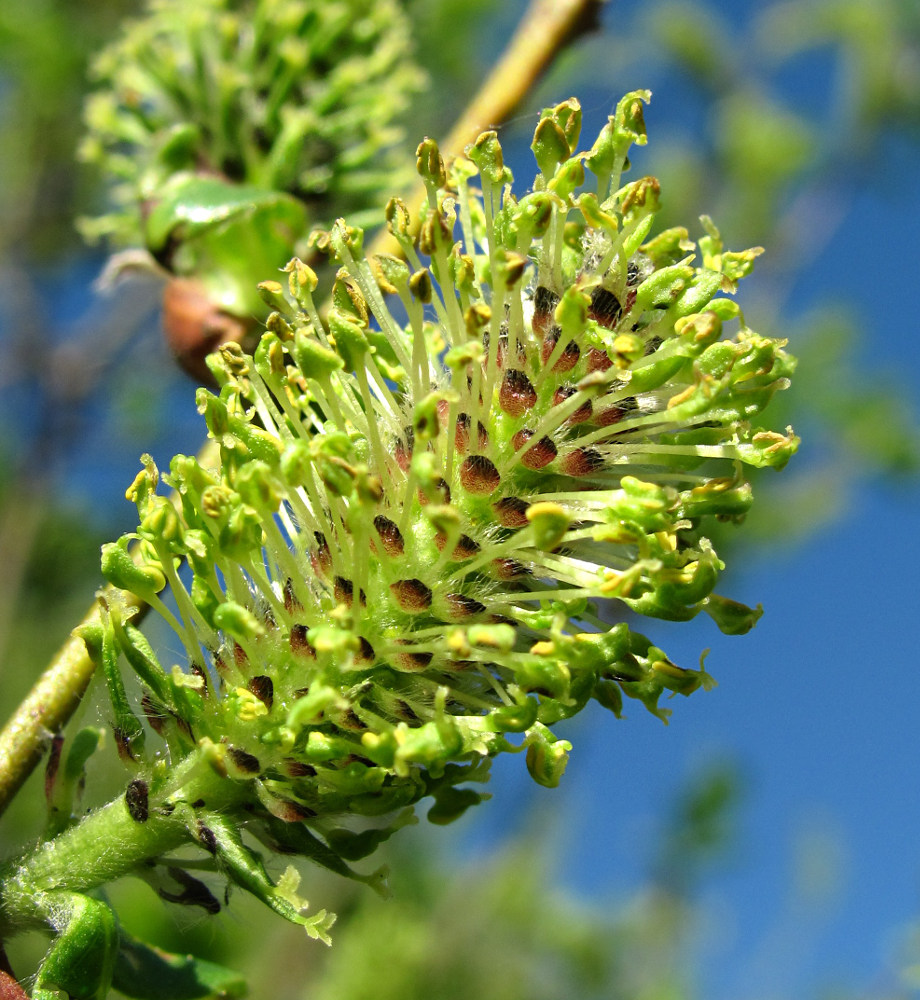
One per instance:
(150, 974)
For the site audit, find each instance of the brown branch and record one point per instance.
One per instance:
(545, 29)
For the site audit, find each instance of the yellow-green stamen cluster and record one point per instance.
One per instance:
(427, 538)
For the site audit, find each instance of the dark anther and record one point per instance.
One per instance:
(581, 462)
(262, 687)
(344, 590)
(366, 654)
(461, 606)
(617, 411)
(517, 394)
(538, 454)
(583, 412)
(511, 512)
(411, 595)
(198, 804)
(509, 569)
(137, 801)
(299, 643)
(605, 307)
(390, 536)
(479, 475)
(244, 761)
(206, 838)
(194, 892)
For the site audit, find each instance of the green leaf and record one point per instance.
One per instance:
(147, 973)
(81, 957)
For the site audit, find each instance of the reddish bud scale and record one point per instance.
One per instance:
(321, 557)
(462, 433)
(244, 761)
(440, 493)
(544, 305)
(291, 603)
(502, 355)
(343, 590)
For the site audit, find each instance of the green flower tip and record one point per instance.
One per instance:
(428, 539)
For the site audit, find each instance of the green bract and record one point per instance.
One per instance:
(427, 540)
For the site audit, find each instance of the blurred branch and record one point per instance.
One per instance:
(545, 29)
